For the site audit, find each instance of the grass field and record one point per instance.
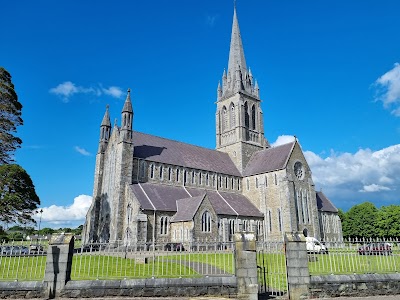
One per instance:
(185, 264)
(340, 262)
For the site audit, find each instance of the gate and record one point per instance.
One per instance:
(271, 268)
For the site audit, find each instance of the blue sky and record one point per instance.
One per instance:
(328, 73)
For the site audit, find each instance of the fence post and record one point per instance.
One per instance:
(58, 263)
(298, 276)
(246, 265)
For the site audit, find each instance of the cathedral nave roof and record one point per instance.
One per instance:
(176, 153)
(164, 197)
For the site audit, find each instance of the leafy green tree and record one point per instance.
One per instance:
(17, 195)
(78, 230)
(388, 221)
(46, 230)
(10, 118)
(15, 236)
(3, 235)
(360, 221)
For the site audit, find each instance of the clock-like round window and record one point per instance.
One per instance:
(299, 170)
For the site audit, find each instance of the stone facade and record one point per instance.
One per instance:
(144, 184)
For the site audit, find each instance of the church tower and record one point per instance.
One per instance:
(239, 119)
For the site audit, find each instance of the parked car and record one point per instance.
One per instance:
(5, 250)
(375, 249)
(36, 249)
(19, 250)
(174, 247)
(315, 246)
(88, 248)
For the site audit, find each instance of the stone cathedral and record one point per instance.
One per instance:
(148, 188)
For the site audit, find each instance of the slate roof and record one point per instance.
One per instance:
(187, 208)
(167, 151)
(268, 160)
(324, 204)
(163, 198)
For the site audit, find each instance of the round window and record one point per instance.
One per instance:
(299, 170)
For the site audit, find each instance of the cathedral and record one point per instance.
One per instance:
(152, 189)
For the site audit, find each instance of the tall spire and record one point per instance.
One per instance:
(237, 78)
(236, 53)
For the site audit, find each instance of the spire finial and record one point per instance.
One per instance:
(107, 107)
(236, 53)
(129, 90)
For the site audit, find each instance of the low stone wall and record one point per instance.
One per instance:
(159, 287)
(354, 285)
(22, 289)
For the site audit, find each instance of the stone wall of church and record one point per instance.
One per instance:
(330, 226)
(154, 172)
(304, 206)
(198, 232)
(182, 232)
(270, 194)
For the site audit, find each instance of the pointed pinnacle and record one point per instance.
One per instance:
(106, 118)
(128, 103)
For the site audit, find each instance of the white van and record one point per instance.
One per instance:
(315, 246)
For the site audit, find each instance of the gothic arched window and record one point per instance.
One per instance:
(232, 115)
(224, 119)
(246, 116)
(163, 225)
(206, 222)
(152, 171)
(280, 219)
(253, 117)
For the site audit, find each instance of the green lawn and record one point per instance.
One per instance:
(272, 271)
(22, 268)
(179, 264)
(342, 261)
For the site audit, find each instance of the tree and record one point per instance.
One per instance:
(17, 195)
(360, 221)
(10, 118)
(387, 221)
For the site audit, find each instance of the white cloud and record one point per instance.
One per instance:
(67, 89)
(374, 188)
(56, 215)
(82, 151)
(113, 91)
(283, 139)
(389, 89)
(346, 175)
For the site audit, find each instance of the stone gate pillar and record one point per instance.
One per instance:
(246, 265)
(58, 263)
(298, 276)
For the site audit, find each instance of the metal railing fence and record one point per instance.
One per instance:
(21, 260)
(118, 260)
(271, 267)
(356, 256)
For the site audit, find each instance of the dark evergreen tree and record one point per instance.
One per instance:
(10, 118)
(18, 198)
